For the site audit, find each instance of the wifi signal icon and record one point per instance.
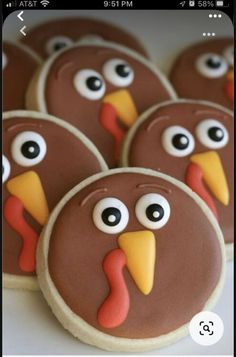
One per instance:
(44, 2)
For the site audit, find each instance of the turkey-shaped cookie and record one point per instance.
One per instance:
(19, 63)
(128, 257)
(51, 36)
(43, 158)
(205, 71)
(100, 89)
(192, 141)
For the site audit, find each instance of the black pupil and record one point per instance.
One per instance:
(30, 149)
(216, 133)
(123, 70)
(94, 83)
(155, 212)
(59, 45)
(213, 62)
(180, 141)
(111, 216)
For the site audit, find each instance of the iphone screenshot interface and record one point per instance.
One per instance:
(117, 171)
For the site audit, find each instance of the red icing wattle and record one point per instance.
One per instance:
(194, 179)
(114, 310)
(13, 213)
(109, 120)
(229, 89)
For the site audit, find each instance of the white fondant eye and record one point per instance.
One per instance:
(212, 134)
(110, 215)
(211, 65)
(4, 60)
(177, 141)
(229, 55)
(6, 169)
(152, 211)
(118, 72)
(92, 37)
(89, 84)
(56, 43)
(28, 148)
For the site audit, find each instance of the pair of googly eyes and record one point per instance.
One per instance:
(27, 149)
(58, 42)
(110, 215)
(91, 85)
(212, 65)
(178, 141)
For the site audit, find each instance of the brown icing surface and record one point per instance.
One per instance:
(19, 69)
(66, 163)
(146, 149)
(188, 258)
(189, 83)
(75, 29)
(63, 100)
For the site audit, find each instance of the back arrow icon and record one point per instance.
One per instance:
(19, 15)
(22, 30)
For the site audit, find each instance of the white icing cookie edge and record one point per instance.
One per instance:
(18, 281)
(38, 82)
(65, 125)
(76, 325)
(26, 49)
(127, 142)
(11, 281)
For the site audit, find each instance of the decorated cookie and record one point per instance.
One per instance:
(18, 65)
(205, 71)
(192, 141)
(145, 254)
(51, 36)
(101, 89)
(43, 158)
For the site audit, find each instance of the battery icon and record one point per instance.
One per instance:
(219, 3)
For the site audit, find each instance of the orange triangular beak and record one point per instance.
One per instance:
(27, 187)
(213, 174)
(124, 105)
(140, 250)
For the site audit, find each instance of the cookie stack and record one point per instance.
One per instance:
(117, 194)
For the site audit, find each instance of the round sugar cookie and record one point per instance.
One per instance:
(48, 37)
(136, 241)
(101, 89)
(205, 71)
(193, 142)
(43, 158)
(19, 63)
